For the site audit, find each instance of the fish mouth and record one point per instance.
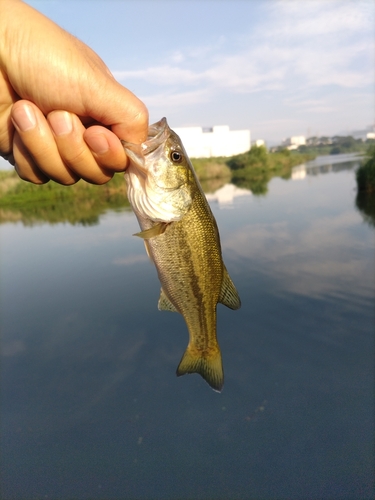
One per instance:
(158, 133)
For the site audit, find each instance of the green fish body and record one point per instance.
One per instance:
(182, 240)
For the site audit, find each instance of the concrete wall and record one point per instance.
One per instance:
(218, 141)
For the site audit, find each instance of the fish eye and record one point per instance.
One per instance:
(176, 156)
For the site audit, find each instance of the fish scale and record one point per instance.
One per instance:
(186, 252)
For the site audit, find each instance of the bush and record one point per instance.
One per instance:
(211, 168)
(336, 150)
(366, 173)
(256, 156)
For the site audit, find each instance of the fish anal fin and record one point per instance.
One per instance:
(153, 231)
(165, 304)
(228, 294)
(208, 365)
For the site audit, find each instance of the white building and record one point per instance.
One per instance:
(216, 141)
(294, 142)
(367, 133)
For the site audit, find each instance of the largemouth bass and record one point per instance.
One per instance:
(182, 239)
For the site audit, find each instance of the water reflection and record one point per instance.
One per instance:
(325, 165)
(365, 202)
(85, 212)
(87, 209)
(226, 195)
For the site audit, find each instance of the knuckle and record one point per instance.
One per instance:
(74, 157)
(100, 180)
(30, 173)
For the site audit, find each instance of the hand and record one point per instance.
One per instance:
(62, 114)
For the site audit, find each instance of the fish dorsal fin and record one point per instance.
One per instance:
(165, 304)
(153, 231)
(228, 294)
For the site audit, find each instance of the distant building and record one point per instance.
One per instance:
(294, 142)
(367, 133)
(319, 141)
(215, 141)
(259, 142)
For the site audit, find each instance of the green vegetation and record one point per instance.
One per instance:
(365, 175)
(334, 145)
(83, 203)
(212, 172)
(254, 169)
(211, 168)
(366, 172)
(365, 202)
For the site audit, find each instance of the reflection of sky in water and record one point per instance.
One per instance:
(90, 403)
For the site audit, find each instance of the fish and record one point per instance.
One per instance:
(182, 240)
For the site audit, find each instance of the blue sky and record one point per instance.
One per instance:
(280, 68)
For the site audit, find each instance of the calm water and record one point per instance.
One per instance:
(91, 406)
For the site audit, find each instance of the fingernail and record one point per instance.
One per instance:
(24, 117)
(61, 122)
(98, 143)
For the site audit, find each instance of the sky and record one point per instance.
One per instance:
(278, 68)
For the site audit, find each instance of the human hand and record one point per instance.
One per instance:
(62, 114)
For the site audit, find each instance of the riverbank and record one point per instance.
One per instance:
(83, 203)
(253, 170)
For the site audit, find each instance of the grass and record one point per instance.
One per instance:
(211, 168)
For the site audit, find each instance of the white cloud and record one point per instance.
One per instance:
(311, 41)
(177, 57)
(308, 59)
(320, 17)
(161, 75)
(304, 271)
(167, 100)
(309, 105)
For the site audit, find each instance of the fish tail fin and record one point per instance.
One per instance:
(207, 364)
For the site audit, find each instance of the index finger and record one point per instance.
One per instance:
(118, 108)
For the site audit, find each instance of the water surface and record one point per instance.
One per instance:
(91, 406)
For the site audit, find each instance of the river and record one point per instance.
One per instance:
(91, 406)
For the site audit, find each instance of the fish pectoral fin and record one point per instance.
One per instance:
(153, 231)
(165, 304)
(147, 250)
(209, 366)
(228, 294)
